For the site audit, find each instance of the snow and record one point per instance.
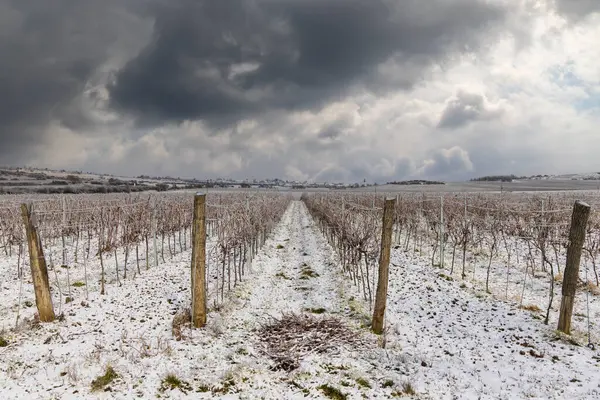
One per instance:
(476, 346)
(447, 341)
(508, 282)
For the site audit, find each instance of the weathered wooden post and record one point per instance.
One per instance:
(442, 231)
(39, 270)
(153, 226)
(384, 266)
(579, 219)
(199, 262)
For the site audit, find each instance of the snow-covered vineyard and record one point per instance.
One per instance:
(473, 299)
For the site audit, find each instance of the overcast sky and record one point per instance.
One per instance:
(325, 90)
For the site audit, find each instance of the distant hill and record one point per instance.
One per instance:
(593, 176)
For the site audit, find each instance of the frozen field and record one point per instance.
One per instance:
(445, 339)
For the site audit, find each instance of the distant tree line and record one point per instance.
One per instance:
(416, 182)
(497, 178)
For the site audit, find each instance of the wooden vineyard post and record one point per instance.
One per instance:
(154, 204)
(199, 262)
(581, 213)
(39, 270)
(442, 232)
(384, 266)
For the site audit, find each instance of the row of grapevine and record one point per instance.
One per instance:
(93, 241)
(352, 225)
(511, 245)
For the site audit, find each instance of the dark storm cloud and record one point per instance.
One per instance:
(465, 108)
(49, 50)
(334, 129)
(577, 8)
(222, 60)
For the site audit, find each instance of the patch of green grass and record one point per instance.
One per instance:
(78, 284)
(308, 272)
(408, 388)
(104, 380)
(332, 393)
(357, 310)
(171, 382)
(3, 342)
(352, 304)
(356, 306)
(446, 277)
(279, 246)
(282, 275)
(226, 386)
(242, 351)
(334, 368)
(68, 299)
(363, 382)
(388, 383)
(303, 375)
(203, 389)
(319, 310)
(64, 266)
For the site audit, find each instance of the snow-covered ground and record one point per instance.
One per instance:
(445, 341)
(479, 347)
(81, 278)
(514, 283)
